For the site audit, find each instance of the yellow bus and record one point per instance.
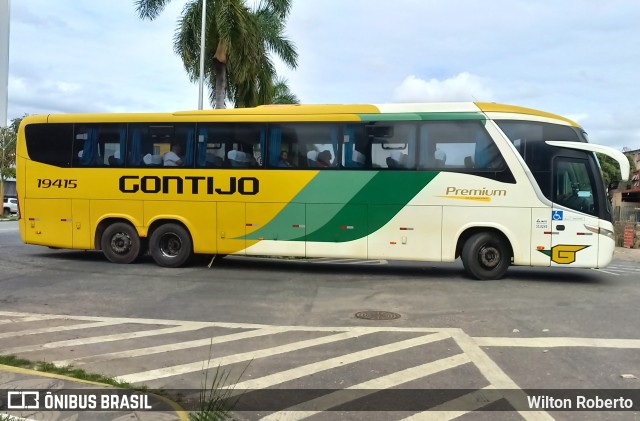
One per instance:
(493, 184)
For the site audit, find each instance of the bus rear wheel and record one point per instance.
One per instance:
(485, 256)
(170, 245)
(120, 243)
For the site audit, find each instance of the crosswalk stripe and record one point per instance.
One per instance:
(124, 320)
(493, 373)
(24, 319)
(99, 339)
(232, 359)
(367, 388)
(447, 411)
(553, 342)
(608, 272)
(340, 361)
(169, 347)
(55, 329)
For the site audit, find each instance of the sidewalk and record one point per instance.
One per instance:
(47, 387)
(622, 253)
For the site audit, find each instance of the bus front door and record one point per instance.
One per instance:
(574, 238)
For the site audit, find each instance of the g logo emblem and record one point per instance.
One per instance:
(563, 254)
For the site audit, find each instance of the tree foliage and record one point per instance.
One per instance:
(8, 138)
(238, 49)
(611, 171)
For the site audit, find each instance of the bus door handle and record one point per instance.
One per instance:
(560, 227)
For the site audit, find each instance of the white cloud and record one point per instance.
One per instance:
(82, 56)
(461, 87)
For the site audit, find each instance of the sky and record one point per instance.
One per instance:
(576, 58)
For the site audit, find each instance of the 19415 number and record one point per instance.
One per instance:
(45, 183)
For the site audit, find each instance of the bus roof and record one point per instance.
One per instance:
(449, 107)
(316, 110)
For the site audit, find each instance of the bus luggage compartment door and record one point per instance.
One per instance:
(48, 222)
(231, 228)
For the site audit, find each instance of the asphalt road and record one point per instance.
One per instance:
(291, 323)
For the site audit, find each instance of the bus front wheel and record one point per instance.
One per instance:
(485, 256)
(170, 245)
(120, 243)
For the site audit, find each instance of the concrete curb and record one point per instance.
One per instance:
(15, 375)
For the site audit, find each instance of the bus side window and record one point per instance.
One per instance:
(304, 144)
(51, 144)
(356, 148)
(282, 139)
(249, 140)
(460, 145)
(86, 146)
(214, 142)
(393, 145)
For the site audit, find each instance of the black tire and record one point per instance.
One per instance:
(120, 243)
(6, 212)
(170, 245)
(485, 256)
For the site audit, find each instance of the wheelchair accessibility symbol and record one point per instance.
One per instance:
(557, 215)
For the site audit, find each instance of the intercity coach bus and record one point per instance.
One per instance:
(493, 184)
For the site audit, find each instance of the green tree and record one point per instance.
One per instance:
(611, 171)
(282, 94)
(8, 137)
(239, 44)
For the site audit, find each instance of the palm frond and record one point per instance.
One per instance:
(150, 9)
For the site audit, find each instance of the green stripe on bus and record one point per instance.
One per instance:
(452, 116)
(435, 116)
(390, 117)
(327, 188)
(373, 206)
(344, 206)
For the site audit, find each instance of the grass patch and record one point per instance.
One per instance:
(216, 399)
(68, 371)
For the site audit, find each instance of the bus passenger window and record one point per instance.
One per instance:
(460, 145)
(355, 146)
(303, 143)
(393, 145)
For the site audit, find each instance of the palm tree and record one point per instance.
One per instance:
(240, 40)
(282, 94)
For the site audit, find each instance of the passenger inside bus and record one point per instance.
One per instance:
(323, 160)
(173, 158)
(284, 160)
(397, 160)
(240, 159)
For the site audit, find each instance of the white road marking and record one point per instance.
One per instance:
(340, 361)
(235, 358)
(470, 349)
(492, 372)
(558, 342)
(447, 411)
(24, 319)
(101, 339)
(607, 272)
(55, 329)
(617, 270)
(624, 267)
(340, 261)
(367, 388)
(169, 347)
